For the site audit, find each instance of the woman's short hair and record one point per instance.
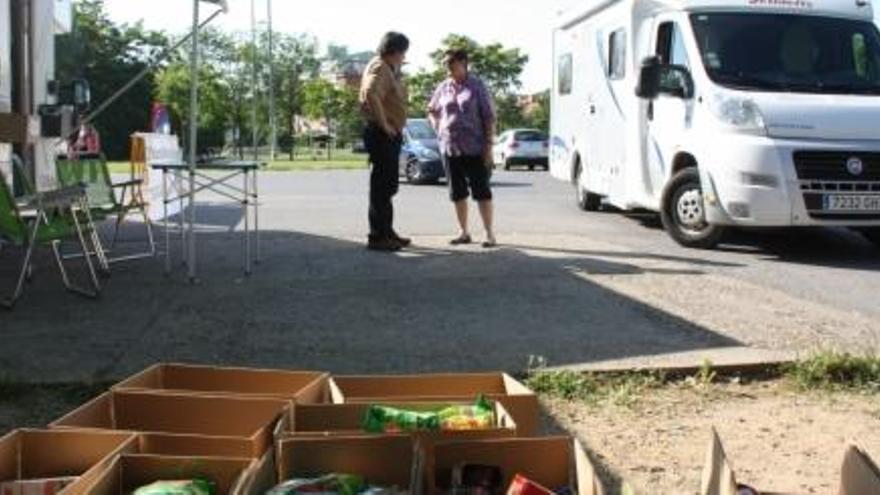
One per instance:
(456, 55)
(393, 43)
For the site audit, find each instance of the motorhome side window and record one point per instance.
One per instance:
(617, 55)
(566, 72)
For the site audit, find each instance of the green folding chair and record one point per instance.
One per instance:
(46, 219)
(108, 199)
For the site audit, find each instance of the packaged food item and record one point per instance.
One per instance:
(46, 486)
(480, 416)
(380, 419)
(524, 486)
(198, 486)
(331, 484)
(476, 479)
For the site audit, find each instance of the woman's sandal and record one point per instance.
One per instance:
(490, 244)
(461, 240)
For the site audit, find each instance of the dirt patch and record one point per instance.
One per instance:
(778, 440)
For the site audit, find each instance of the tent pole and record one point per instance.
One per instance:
(193, 141)
(273, 123)
(254, 54)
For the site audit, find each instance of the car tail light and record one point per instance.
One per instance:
(514, 145)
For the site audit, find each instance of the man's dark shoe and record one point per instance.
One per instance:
(383, 245)
(403, 241)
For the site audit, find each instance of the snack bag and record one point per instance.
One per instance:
(180, 487)
(380, 419)
(49, 486)
(524, 486)
(480, 416)
(332, 484)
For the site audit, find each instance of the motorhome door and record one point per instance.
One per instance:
(669, 115)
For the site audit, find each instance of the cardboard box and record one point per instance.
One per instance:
(132, 471)
(554, 462)
(261, 478)
(305, 387)
(347, 420)
(521, 402)
(859, 474)
(254, 420)
(40, 455)
(388, 461)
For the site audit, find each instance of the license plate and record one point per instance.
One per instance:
(852, 202)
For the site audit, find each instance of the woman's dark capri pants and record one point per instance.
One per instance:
(467, 176)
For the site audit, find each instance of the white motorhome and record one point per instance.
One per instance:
(716, 113)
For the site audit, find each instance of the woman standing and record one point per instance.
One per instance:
(463, 114)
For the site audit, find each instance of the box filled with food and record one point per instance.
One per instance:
(518, 400)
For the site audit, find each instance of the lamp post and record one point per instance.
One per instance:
(254, 53)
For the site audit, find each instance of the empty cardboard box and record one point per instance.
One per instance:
(387, 461)
(347, 419)
(859, 473)
(304, 387)
(130, 472)
(254, 420)
(520, 402)
(75, 456)
(553, 462)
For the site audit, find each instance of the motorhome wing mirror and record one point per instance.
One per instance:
(649, 78)
(676, 80)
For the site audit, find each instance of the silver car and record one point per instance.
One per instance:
(523, 147)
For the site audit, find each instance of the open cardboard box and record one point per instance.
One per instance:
(38, 455)
(254, 420)
(304, 387)
(520, 402)
(554, 462)
(260, 478)
(347, 420)
(388, 461)
(859, 474)
(130, 472)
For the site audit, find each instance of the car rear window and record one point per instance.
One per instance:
(530, 136)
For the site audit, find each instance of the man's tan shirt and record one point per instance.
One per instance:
(383, 96)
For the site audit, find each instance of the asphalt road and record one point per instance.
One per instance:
(571, 287)
(829, 266)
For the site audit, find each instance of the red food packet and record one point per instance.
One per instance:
(524, 486)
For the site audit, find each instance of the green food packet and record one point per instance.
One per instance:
(379, 419)
(198, 486)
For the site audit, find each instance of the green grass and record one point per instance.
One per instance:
(342, 160)
(617, 389)
(836, 371)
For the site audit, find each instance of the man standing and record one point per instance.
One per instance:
(383, 101)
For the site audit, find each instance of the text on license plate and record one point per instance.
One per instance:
(852, 202)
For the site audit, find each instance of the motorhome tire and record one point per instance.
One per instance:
(872, 234)
(586, 200)
(684, 215)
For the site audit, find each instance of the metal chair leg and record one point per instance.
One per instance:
(88, 259)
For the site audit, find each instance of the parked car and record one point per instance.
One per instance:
(420, 160)
(526, 147)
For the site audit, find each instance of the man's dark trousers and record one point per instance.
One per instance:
(384, 153)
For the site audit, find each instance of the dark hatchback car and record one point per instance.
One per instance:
(420, 160)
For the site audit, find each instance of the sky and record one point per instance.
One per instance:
(359, 24)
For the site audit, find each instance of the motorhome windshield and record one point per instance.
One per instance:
(790, 53)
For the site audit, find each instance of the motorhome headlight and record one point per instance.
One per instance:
(742, 113)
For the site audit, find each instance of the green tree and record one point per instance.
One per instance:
(335, 106)
(421, 87)
(296, 60)
(108, 56)
(539, 117)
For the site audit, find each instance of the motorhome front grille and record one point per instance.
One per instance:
(837, 166)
